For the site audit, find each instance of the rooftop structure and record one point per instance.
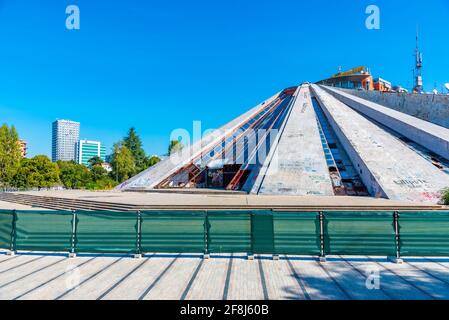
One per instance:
(357, 78)
(23, 148)
(382, 85)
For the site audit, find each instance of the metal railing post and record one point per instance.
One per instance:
(397, 237)
(275, 254)
(206, 236)
(322, 249)
(72, 253)
(13, 244)
(251, 254)
(138, 253)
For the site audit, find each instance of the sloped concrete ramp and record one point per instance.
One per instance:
(298, 164)
(432, 136)
(156, 174)
(387, 167)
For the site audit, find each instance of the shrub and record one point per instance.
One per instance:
(445, 197)
(101, 185)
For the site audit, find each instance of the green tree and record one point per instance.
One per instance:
(38, 172)
(95, 161)
(151, 161)
(123, 165)
(175, 146)
(73, 175)
(134, 144)
(98, 173)
(25, 175)
(100, 179)
(10, 154)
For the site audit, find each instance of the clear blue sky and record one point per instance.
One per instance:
(159, 65)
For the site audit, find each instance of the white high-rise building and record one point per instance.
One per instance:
(64, 138)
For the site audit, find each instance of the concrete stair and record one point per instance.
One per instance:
(55, 203)
(58, 203)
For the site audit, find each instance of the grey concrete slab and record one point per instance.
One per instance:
(4, 257)
(432, 269)
(444, 262)
(70, 281)
(393, 286)
(422, 281)
(297, 164)
(280, 281)
(138, 282)
(317, 283)
(26, 272)
(352, 282)
(26, 284)
(245, 281)
(12, 264)
(400, 174)
(430, 135)
(210, 281)
(176, 277)
(93, 289)
(174, 283)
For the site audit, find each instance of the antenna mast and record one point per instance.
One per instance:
(418, 67)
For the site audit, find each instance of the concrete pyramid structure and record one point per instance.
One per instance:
(312, 140)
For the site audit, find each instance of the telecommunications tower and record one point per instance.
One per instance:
(418, 68)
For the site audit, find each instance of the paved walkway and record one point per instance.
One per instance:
(178, 277)
(175, 199)
(14, 206)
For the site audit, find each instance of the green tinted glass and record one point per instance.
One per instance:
(173, 232)
(359, 233)
(5, 229)
(297, 233)
(229, 232)
(107, 232)
(46, 231)
(424, 233)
